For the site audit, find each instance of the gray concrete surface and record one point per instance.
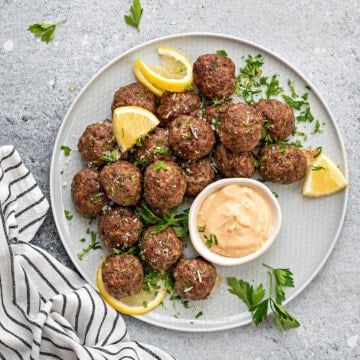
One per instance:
(39, 82)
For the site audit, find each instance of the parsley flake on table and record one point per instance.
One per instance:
(45, 31)
(135, 14)
(259, 305)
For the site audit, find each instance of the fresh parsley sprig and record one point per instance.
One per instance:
(45, 31)
(172, 219)
(260, 306)
(135, 15)
(94, 245)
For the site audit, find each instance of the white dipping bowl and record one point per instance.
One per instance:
(206, 252)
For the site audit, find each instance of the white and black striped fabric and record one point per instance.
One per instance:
(46, 310)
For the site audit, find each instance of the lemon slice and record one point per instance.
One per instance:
(323, 178)
(142, 79)
(175, 74)
(137, 304)
(130, 123)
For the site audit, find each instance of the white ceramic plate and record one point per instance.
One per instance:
(310, 227)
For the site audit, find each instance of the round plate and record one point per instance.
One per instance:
(310, 227)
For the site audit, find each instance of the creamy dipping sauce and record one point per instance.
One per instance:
(235, 220)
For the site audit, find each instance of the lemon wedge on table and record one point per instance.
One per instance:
(130, 123)
(174, 75)
(323, 178)
(137, 304)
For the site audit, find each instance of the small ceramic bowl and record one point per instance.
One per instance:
(204, 250)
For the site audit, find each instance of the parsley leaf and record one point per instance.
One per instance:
(135, 14)
(94, 245)
(258, 306)
(45, 31)
(65, 149)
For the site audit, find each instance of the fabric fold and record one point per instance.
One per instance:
(47, 311)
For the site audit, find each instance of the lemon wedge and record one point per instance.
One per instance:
(129, 123)
(174, 75)
(137, 304)
(323, 178)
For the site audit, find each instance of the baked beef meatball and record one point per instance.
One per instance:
(174, 104)
(162, 250)
(119, 228)
(279, 119)
(190, 137)
(87, 193)
(281, 163)
(122, 275)
(198, 174)
(240, 127)
(122, 182)
(194, 278)
(96, 142)
(212, 114)
(155, 146)
(164, 185)
(214, 75)
(231, 164)
(135, 94)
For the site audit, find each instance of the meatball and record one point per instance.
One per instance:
(87, 193)
(173, 105)
(96, 142)
(240, 128)
(155, 146)
(162, 250)
(198, 174)
(164, 185)
(190, 137)
(119, 228)
(232, 164)
(279, 119)
(212, 114)
(194, 278)
(122, 182)
(135, 94)
(214, 75)
(122, 275)
(281, 163)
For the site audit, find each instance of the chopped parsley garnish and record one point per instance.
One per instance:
(221, 53)
(45, 31)
(272, 87)
(210, 240)
(281, 149)
(110, 156)
(135, 15)
(66, 150)
(319, 151)
(317, 129)
(317, 168)
(68, 214)
(165, 150)
(200, 313)
(201, 229)
(94, 245)
(260, 306)
(160, 165)
(97, 197)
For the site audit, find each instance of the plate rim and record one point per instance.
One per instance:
(199, 327)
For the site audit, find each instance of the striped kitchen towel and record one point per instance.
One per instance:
(47, 311)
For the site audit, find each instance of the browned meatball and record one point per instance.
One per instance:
(122, 182)
(198, 174)
(135, 94)
(164, 185)
(119, 228)
(190, 137)
(122, 275)
(214, 75)
(87, 193)
(96, 142)
(194, 278)
(162, 250)
(173, 105)
(279, 119)
(155, 146)
(281, 163)
(212, 114)
(232, 164)
(240, 128)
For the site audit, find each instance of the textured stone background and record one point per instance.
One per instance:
(39, 82)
